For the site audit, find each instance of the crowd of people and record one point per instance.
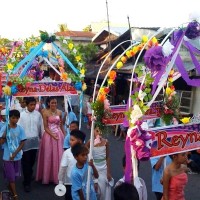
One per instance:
(42, 132)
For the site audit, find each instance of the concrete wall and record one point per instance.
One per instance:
(196, 100)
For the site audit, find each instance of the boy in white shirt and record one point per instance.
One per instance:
(31, 121)
(68, 162)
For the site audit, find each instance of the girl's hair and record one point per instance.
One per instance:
(14, 113)
(29, 100)
(48, 100)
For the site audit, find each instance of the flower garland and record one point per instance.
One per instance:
(16, 84)
(170, 109)
(141, 95)
(132, 52)
(101, 106)
(80, 64)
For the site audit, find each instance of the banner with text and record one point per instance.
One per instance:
(177, 139)
(47, 89)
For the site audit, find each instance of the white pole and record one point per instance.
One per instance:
(92, 126)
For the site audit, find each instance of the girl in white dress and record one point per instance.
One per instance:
(102, 164)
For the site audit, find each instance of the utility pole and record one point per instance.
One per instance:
(109, 45)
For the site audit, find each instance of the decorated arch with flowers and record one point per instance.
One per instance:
(24, 76)
(162, 62)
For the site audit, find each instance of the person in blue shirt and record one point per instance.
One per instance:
(69, 117)
(3, 118)
(74, 125)
(79, 174)
(12, 137)
(158, 165)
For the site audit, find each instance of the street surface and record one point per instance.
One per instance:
(41, 192)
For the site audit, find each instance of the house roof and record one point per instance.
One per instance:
(76, 34)
(102, 36)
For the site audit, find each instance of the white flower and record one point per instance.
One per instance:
(69, 80)
(136, 114)
(138, 143)
(167, 48)
(64, 41)
(74, 50)
(141, 95)
(13, 60)
(82, 75)
(144, 126)
(80, 64)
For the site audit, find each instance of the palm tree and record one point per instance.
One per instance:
(63, 27)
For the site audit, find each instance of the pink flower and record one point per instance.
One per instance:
(106, 104)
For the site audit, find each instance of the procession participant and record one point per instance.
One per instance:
(175, 178)
(68, 161)
(31, 121)
(3, 118)
(51, 146)
(158, 164)
(102, 163)
(79, 174)
(12, 147)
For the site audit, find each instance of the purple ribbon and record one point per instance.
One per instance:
(128, 169)
(193, 50)
(177, 37)
(180, 65)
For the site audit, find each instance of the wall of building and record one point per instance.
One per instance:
(196, 100)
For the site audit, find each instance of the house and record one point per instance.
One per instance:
(78, 37)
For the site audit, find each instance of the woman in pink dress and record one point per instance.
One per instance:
(51, 146)
(175, 178)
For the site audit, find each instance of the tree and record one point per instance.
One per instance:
(63, 27)
(88, 51)
(88, 28)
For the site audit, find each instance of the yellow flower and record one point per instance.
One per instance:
(7, 90)
(64, 76)
(185, 120)
(135, 49)
(84, 87)
(28, 44)
(78, 58)
(82, 71)
(169, 91)
(101, 91)
(70, 46)
(128, 54)
(145, 38)
(171, 72)
(170, 79)
(10, 66)
(154, 40)
(119, 65)
(110, 81)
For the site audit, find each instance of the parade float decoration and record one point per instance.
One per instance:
(161, 61)
(20, 82)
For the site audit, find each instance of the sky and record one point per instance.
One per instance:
(23, 18)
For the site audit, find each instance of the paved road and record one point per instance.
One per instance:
(41, 192)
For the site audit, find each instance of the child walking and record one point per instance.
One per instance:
(102, 163)
(79, 174)
(68, 162)
(175, 178)
(12, 147)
